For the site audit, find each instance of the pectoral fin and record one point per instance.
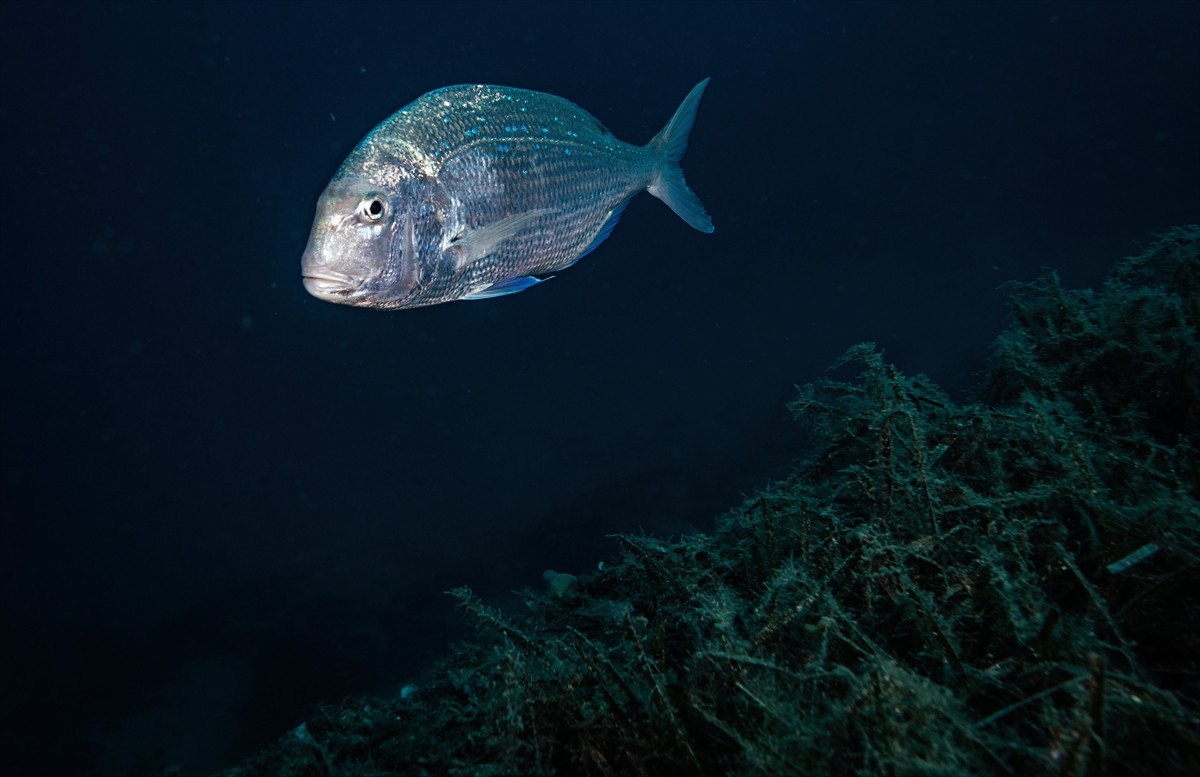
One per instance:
(475, 244)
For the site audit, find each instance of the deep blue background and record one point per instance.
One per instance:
(224, 501)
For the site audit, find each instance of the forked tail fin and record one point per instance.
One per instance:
(670, 145)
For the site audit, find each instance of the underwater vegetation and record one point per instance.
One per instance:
(1003, 587)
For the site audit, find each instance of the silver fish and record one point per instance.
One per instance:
(471, 192)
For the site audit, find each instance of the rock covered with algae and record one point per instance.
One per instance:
(1003, 587)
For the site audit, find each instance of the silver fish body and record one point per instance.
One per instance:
(472, 191)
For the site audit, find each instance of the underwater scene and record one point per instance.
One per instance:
(600, 388)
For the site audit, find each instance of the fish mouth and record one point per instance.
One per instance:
(328, 282)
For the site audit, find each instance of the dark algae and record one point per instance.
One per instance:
(1002, 587)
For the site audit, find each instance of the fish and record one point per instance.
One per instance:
(474, 192)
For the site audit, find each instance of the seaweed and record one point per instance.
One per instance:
(1003, 587)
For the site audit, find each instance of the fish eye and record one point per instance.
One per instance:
(372, 209)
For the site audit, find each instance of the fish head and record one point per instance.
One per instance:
(356, 253)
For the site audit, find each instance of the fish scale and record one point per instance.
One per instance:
(478, 190)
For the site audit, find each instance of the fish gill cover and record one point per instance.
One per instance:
(1004, 587)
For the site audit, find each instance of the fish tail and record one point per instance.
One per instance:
(670, 145)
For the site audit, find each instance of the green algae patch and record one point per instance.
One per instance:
(1004, 587)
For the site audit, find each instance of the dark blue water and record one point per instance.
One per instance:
(225, 502)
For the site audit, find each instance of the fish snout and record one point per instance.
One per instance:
(329, 266)
(320, 279)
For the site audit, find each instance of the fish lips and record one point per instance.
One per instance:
(328, 284)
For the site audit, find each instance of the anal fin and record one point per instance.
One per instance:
(613, 217)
